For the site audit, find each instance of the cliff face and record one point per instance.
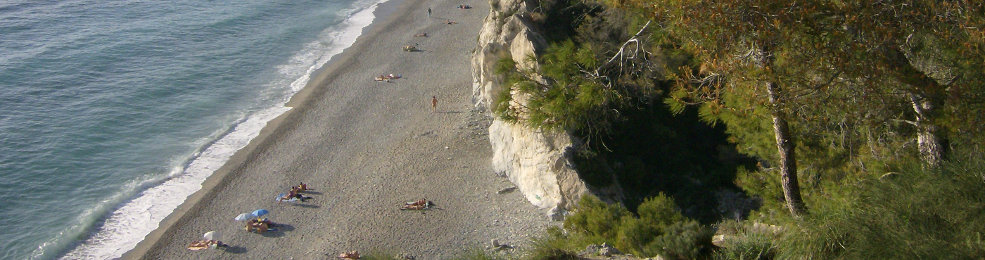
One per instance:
(538, 162)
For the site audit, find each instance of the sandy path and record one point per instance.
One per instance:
(367, 147)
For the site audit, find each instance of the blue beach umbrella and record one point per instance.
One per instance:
(260, 212)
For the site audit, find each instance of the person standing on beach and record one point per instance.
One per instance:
(429, 12)
(434, 104)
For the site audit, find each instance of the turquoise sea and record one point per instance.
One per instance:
(113, 112)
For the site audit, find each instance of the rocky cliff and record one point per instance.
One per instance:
(538, 162)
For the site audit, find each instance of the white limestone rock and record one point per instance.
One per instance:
(537, 162)
(524, 49)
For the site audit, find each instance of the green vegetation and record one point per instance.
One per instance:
(478, 254)
(915, 214)
(631, 139)
(744, 244)
(378, 254)
(658, 228)
(856, 124)
(475, 253)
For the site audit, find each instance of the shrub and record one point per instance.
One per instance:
(635, 233)
(655, 215)
(377, 254)
(478, 254)
(747, 246)
(660, 209)
(554, 245)
(549, 253)
(683, 240)
(918, 214)
(660, 228)
(596, 218)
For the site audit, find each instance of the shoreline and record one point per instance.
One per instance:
(211, 183)
(235, 179)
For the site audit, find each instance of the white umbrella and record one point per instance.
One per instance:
(243, 217)
(213, 235)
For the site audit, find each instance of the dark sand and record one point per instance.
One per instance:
(365, 148)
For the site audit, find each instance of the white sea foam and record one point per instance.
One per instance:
(316, 54)
(125, 226)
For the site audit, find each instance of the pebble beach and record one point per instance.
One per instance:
(366, 147)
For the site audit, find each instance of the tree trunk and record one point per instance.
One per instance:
(925, 95)
(929, 140)
(788, 160)
(785, 144)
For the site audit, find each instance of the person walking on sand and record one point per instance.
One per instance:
(434, 104)
(429, 12)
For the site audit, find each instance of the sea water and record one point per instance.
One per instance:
(113, 112)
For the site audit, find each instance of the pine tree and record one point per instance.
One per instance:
(758, 49)
(926, 52)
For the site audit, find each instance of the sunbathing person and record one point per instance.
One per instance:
(417, 205)
(286, 197)
(263, 227)
(203, 244)
(450, 22)
(387, 78)
(251, 225)
(297, 190)
(421, 35)
(292, 196)
(296, 193)
(259, 226)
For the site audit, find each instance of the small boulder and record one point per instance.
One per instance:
(718, 240)
(608, 250)
(556, 214)
(590, 250)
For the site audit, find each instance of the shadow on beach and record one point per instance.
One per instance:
(302, 205)
(235, 250)
(281, 228)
